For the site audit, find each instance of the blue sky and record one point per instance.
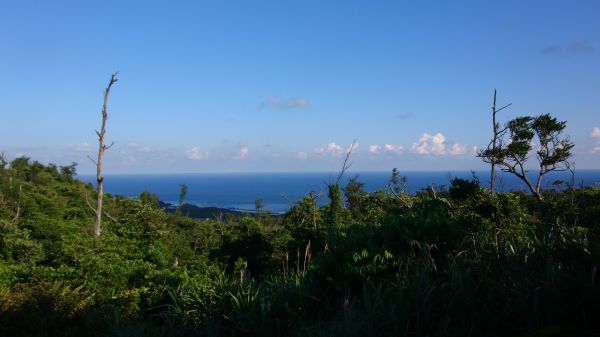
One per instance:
(288, 85)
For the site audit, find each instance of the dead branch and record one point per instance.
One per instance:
(346, 164)
(87, 201)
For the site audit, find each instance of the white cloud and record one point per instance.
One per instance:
(223, 152)
(428, 144)
(331, 150)
(139, 147)
(195, 153)
(374, 149)
(242, 152)
(474, 150)
(291, 103)
(458, 149)
(395, 149)
(139, 153)
(334, 148)
(596, 135)
(81, 148)
(386, 148)
(302, 155)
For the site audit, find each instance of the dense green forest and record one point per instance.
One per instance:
(461, 262)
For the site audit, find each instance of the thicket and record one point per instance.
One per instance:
(461, 262)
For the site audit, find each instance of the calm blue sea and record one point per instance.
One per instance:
(280, 190)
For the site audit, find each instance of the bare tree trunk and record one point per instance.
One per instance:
(571, 168)
(101, 149)
(496, 130)
(494, 142)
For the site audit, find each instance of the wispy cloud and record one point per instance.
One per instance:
(405, 115)
(551, 49)
(458, 149)
(386, 148)
(302, 155)
(223, 152)
(332, 149)
(195, 153)
(139, 147)
(290, 103)
(242, 151)
(574, 48)
(595, 134)
(581, 47)
(81, 148)
(140, 153)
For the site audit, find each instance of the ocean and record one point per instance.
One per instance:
(281, 190)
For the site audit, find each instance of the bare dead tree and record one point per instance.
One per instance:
(347, 163)
(333, 214)
(18, 204)
(101, 149)
(570, 165)
(3, 160)
(493, 147)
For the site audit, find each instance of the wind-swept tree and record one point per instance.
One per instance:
(101, 149)
(516, 142)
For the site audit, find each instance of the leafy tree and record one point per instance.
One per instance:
(335, 209)
(354, 192)
(516, 142)
(259, 205)
(69, 171)
(462, 189)
(304, 214)
(397, 185)
(149, 198)
(183, 190)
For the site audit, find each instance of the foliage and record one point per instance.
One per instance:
(457, 263)
(517, 142)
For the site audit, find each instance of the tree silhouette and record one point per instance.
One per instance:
(516, 141)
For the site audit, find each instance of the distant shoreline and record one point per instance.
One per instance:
(237, 193)
(210, 212)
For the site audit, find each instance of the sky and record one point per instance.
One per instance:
(247, 86)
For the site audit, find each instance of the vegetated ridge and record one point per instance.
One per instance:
(461, 262)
